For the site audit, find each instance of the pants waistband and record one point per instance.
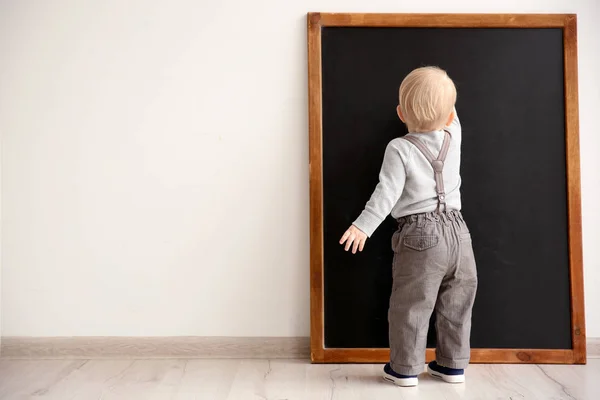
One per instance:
(444, 217)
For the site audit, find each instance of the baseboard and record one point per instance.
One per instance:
(170, 347)
(154, 347)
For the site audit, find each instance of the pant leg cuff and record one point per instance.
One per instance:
(407, 369)
(450, 363)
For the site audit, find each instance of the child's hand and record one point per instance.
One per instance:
(354, 237)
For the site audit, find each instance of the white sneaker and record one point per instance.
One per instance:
(450, 375)
(390, 375)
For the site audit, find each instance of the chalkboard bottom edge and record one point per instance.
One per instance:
(478, 356)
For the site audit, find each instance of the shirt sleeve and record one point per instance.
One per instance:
(455, 128)
(391, 183)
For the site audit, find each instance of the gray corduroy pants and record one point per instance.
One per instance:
(433, 270)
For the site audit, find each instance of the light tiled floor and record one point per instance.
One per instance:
(280, 379)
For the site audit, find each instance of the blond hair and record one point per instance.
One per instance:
(427, 97)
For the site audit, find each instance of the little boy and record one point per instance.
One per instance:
(433, 267)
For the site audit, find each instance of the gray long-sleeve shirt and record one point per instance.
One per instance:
(406, 181)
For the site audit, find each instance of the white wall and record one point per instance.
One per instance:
(154, 162)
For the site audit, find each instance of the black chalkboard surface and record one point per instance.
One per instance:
(511, 102)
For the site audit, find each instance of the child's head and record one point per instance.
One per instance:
(427, 97)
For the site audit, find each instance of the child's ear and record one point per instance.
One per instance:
(450, 118)
(400, 114)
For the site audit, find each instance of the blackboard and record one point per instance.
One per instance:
(512, 103)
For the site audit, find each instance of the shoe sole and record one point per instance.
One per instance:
(446, 378)
(403, 382)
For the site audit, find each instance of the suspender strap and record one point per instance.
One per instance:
(437, 164)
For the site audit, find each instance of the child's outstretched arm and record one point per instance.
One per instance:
(391, 182)
(454, 127)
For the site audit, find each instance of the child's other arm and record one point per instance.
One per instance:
(454, 127)
(391, 182)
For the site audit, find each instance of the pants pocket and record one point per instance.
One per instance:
(420, 242)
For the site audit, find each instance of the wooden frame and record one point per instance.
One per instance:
(568, 23)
